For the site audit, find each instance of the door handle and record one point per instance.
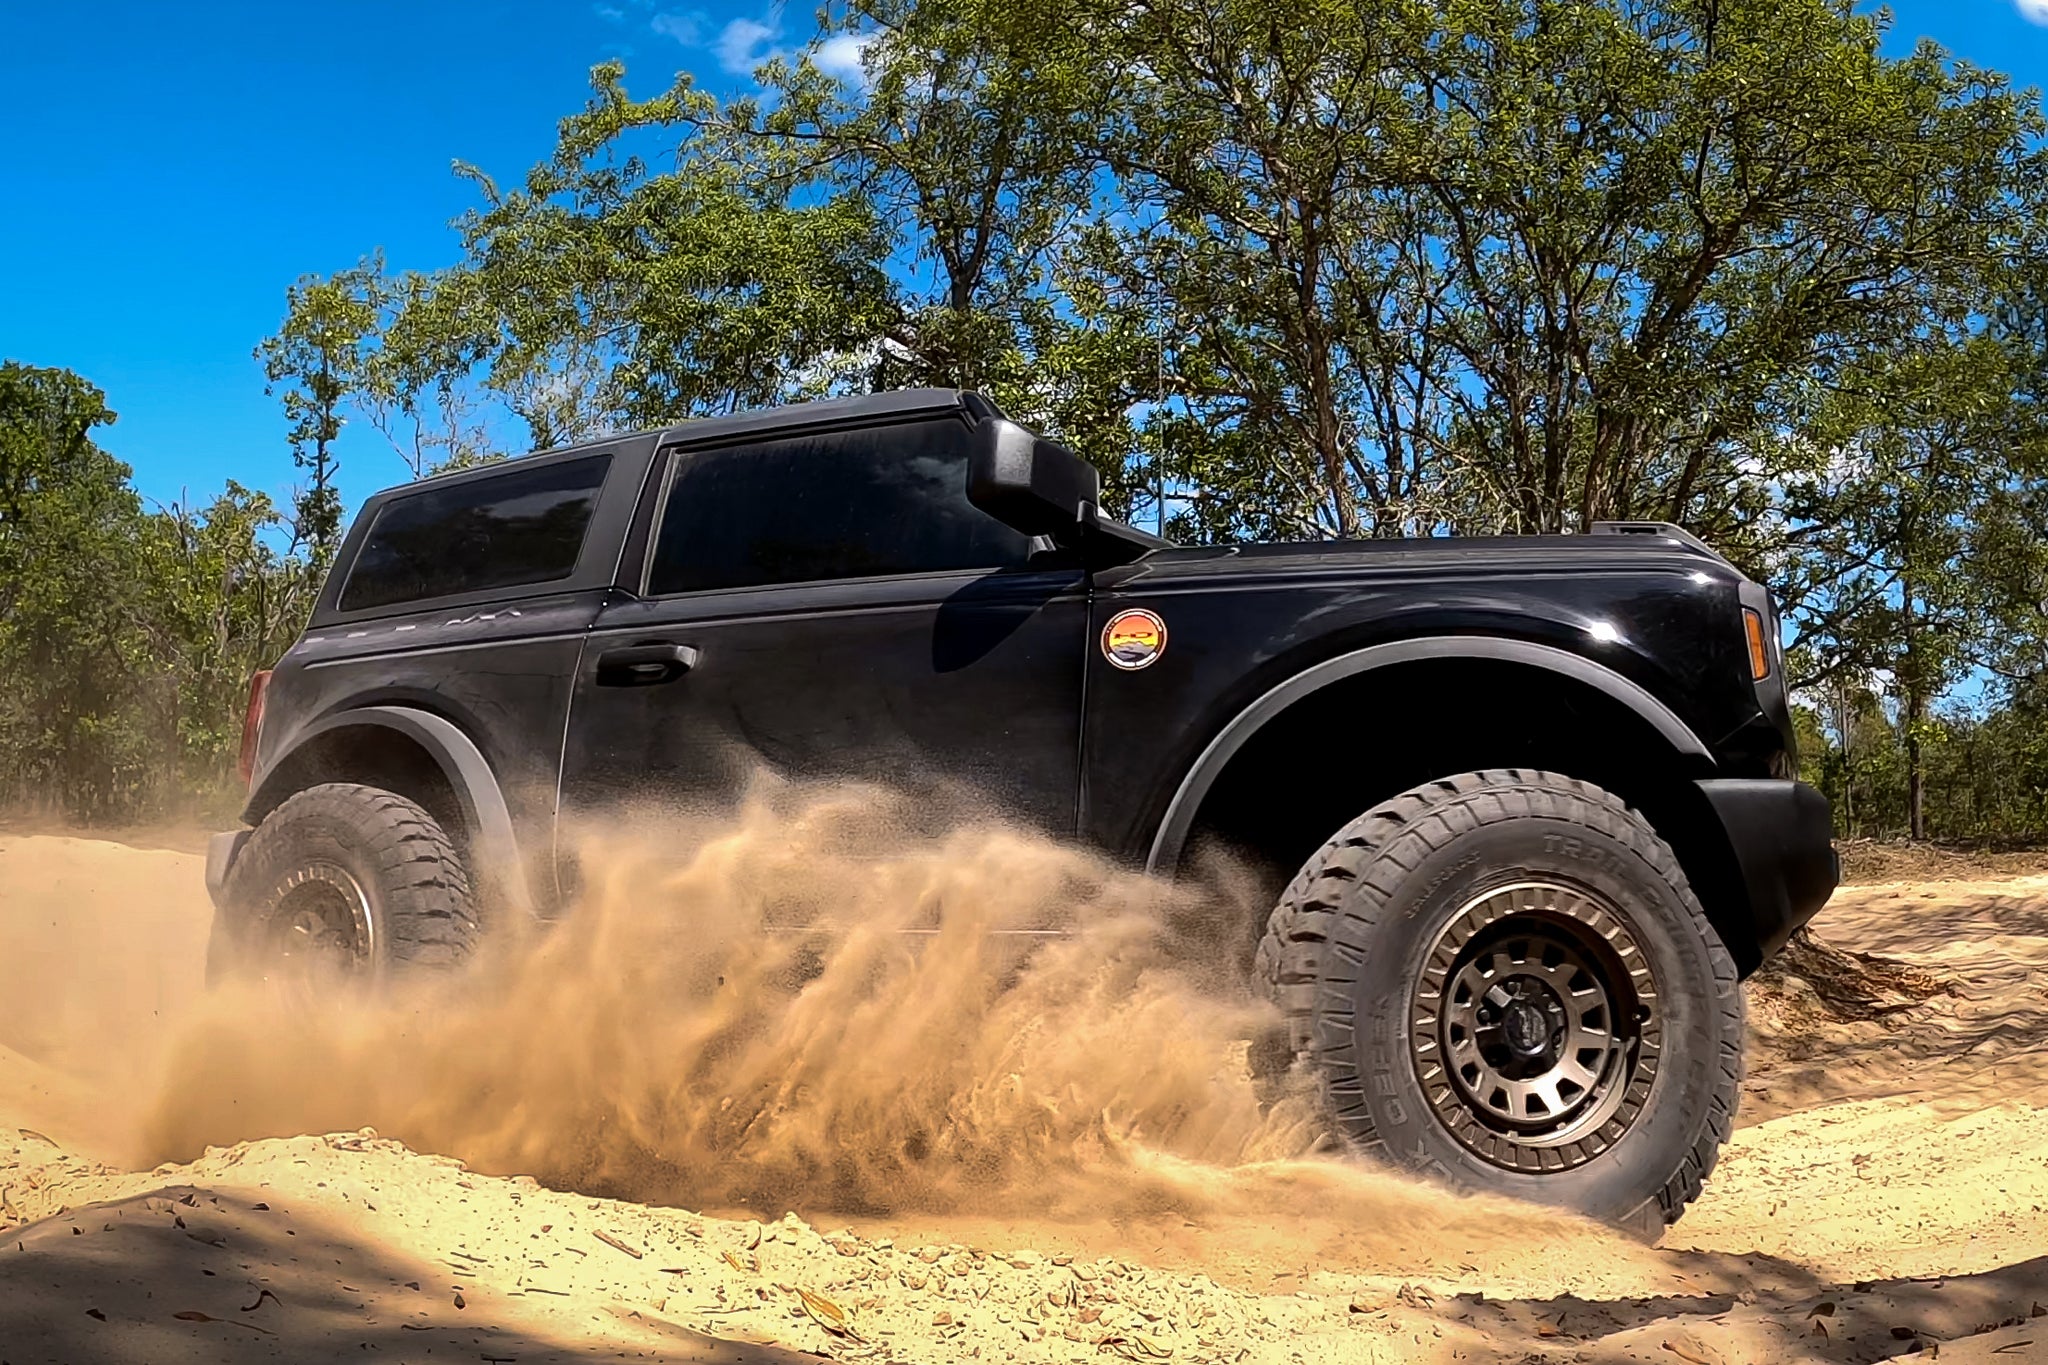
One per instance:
(644, 665)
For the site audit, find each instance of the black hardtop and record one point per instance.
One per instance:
(858, 409)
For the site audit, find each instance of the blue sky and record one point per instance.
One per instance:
(172, 168)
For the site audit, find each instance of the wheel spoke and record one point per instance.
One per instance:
(1571, 1070)
(1544, 1091)
(1524, 1023)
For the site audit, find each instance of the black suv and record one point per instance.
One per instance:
(1527, 803)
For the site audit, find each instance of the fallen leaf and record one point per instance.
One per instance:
(1686, 1355)
(749, 1264)
(263, 1294)
(826, 1313)
(753, 1236)
(942, 1319)
(32, 1133)
(1824, 1309)
(612, 1241)
(459, 1303)
(2009, 1346)
(96, 1313)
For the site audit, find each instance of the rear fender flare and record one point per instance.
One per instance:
(496, 867)
(1170, 840)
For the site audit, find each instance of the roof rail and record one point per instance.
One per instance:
(1654, 528)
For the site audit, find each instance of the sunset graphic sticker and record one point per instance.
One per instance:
(1133, 639)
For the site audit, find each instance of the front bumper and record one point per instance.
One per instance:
(1782, 835)
(221, 851)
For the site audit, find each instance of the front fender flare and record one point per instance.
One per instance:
(1172, 835)
(495, 864)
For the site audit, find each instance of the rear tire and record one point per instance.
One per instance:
(1449, 963)
(345, 881)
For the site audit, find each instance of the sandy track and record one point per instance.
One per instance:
(1891, 1177)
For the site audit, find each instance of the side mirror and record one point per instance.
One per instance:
(1028, 483)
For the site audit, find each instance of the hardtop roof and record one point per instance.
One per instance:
(787, 416)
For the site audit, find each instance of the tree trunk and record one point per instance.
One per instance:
(1916, 713)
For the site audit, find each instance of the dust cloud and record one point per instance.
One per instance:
(940, 1095)
(900, 1036)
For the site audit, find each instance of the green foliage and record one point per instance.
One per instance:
(1985, 777)
(126, 636)
(314, 364)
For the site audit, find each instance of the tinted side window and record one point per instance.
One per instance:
(522, 526)
(843, 504)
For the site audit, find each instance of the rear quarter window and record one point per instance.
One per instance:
(520, 527)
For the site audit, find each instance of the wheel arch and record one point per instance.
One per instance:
(1462, 703)
(419, 755)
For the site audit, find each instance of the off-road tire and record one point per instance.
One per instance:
(413, 880)
(1343, 950)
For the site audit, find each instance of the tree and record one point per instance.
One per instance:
(126, 636)
(218, 603)
(68, 528)
(1920, 448)
(319, 359)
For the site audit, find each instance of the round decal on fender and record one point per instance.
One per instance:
(1133, 639)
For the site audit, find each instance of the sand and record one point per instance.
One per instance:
(1887, 1190)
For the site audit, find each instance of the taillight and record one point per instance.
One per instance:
(252, 723)
(1759, 647)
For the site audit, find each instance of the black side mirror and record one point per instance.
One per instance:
(1028, 483)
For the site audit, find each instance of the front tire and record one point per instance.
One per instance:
(1504, 980)
(344, 883)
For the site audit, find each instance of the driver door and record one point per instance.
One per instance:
(827, 604)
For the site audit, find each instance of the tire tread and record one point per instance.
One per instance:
(1380, 849)
(429, 910)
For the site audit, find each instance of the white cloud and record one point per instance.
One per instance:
(611, 14)
(744, 44)
(685, 28)
(840, 54)
(2035, 11)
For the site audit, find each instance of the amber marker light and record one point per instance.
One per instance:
(1759, 652)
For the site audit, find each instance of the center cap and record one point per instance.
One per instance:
(1525, 1027)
